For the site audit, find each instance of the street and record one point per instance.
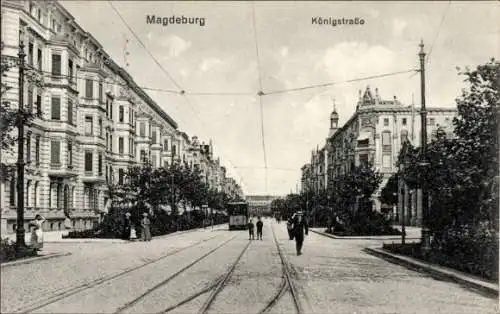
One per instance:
(218, 271)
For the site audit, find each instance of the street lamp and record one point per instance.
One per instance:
(423, 164)
(20, 232)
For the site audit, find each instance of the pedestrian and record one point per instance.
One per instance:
(37, 232)
(289, 227)
(127, 227)
(145, 229)
(300, 228)
(259, 226)
(251, 235)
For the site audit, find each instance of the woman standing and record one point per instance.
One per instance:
(146, 232)
(37, 232)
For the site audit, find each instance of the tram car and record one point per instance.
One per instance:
(238, 215)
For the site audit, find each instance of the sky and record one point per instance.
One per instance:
(285, 50)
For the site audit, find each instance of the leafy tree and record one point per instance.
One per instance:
(389, 194)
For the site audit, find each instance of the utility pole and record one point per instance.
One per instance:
(20, 243)
(423, 163)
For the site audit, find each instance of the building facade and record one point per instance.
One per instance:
(91, 120)
(375, 134)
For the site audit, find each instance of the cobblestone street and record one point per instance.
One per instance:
(181, 273)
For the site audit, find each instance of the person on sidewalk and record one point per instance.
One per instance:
(145, 228)
(289, 227)
(127, 228)
(300, 228)
(251, 235)
(259, 226)
(37, 232)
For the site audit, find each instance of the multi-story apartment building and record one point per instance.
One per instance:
(91, 123)
(375, 133)
(232, 189)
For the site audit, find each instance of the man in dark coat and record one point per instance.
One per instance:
(251, 235)
(300, 228)
(259, 226)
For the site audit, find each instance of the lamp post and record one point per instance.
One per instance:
(423, 163)
(20, 243)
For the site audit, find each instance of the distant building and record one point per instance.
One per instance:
(260, 204)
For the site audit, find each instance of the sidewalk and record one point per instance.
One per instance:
(436, 271)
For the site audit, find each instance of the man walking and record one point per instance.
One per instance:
(299, 228)
(251, 235)
(259, 225)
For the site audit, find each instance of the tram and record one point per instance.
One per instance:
(238, 215)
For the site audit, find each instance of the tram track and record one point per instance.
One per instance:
(64, 293)
(215, 287)
(133, 302)
(287, 283)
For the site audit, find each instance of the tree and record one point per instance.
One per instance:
(462, 174)
(389, 194)
(9, 119)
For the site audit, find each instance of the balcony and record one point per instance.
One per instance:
(61, 170)
(93, 177)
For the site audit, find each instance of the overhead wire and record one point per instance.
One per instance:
(144, 46)
(260, 93)
(337, 83)
(439, 30)
(182, 92)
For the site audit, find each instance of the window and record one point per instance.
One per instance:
(121, 174)
(107, 140)
(363, 159)
(39, 105)
(99, 163)
(56, 65)
(28, 147)
(386, 122)
(88, 161)
(143, 155)
(120, 145)
(70, 111)
(37, 149)
(173, 150)
(39, 59)
(100, 127)
(386, 141)
(55, 152)
(89, 88)
(153, 161)
(120, 113)
(107, 107)
(31, 8)
(165, 145)
(386, 161)
(30, 99)
(88, 125)
(30, 53)
(404, 136)
(70, 70)
(111, 111)
(154, 137)
(404, 121)
(101, 92)
(39, 14)
(142, 129)
(130, 116)
(56, 108)
(131, 146)
(432, 121)
(70, 155)
(111, 143)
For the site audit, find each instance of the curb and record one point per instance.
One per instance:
(34, 259)
(397, 237)
(119, 241)
(438, 272)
